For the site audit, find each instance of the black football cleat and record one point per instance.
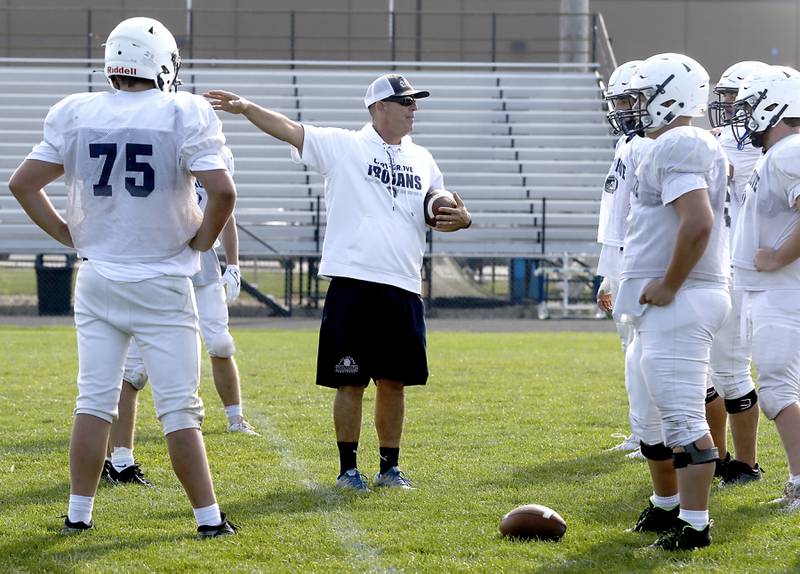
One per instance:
(129, 475)
(684, 537)
(75, 527)
(225, 528)
(106, 472)
(737, 473)
(721, 466)
(655, 519)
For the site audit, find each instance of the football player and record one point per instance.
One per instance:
(766, 247)
(730, 382)
(212, 292)
(129, 157)
(674, 279)
(614, 207)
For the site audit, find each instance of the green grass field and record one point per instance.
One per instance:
(506, 419)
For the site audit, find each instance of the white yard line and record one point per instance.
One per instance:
(353, 539)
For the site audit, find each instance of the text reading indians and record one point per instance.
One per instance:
(401, 176)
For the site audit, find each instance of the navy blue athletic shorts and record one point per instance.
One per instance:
(371, 331)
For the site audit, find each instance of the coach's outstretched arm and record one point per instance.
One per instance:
(275, 124)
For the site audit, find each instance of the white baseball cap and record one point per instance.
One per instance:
(390, 85)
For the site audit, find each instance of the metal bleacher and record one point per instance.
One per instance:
(527, 149)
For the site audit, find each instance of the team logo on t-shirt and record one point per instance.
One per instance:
(611, 184)
(752, 185)
(346, 366)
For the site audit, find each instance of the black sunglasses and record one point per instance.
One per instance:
(404, 101)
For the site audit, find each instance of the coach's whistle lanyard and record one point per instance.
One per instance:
(392, 181)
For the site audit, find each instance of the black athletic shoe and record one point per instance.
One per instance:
(129, 475)
(223, 529)
(75, 527)
(106, 473)
(738, 472)
(721, 466)
(655, 519)
(684, 538)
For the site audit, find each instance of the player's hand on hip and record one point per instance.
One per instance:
(766, 260)
(227, 101)
(232, 279)
(658, 294)
(453, 218)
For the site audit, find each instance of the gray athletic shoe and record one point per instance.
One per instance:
(790, 501)
(393, 478)
(352, 480)
(629, 443)
(242, 426)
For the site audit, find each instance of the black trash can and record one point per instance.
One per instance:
(54, 284)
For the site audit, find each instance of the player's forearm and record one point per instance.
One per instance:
(38, 207)
(690, 244)
(230, 241)
(275, 124)
(218, 212)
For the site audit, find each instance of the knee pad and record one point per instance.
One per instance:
(694, 455)
(136, 377)
(655, 451)
(711, 395)
(742, 404)
(221, 345)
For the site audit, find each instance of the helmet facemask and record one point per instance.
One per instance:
(639, 119)
(745, 125)
(721, 112)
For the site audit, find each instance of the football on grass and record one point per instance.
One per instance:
(533, 521)
(436, 199)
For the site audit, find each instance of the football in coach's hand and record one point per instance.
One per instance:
(435, 199)
(533, 521)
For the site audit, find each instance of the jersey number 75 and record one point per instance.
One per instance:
(132, 165)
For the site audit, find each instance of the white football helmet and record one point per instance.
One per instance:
(720, 113)
(143, 48)
(665, 87)
(617, 84)
(765, 98)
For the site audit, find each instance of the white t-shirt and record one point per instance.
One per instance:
(679, 161)
(127, 156)
(768, 217)
(374, 196)
(743, 162)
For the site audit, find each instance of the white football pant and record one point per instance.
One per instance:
(160, 314)
(730, 355)
(667, 365)
(773, 318)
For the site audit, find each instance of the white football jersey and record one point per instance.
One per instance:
(768, 217)
(681, 160)
(615, 203)
(127, 157)
(374, 196)
(743, 162)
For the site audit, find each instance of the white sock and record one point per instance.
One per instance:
(80, 508)
(208, 515)
(233, 412)
(697, 518)
(665, 502)
(121, 458)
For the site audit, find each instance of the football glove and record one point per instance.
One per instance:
(232, 280)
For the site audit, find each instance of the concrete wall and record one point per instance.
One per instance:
(716, 32)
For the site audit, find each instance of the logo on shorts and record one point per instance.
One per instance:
(346, 366)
